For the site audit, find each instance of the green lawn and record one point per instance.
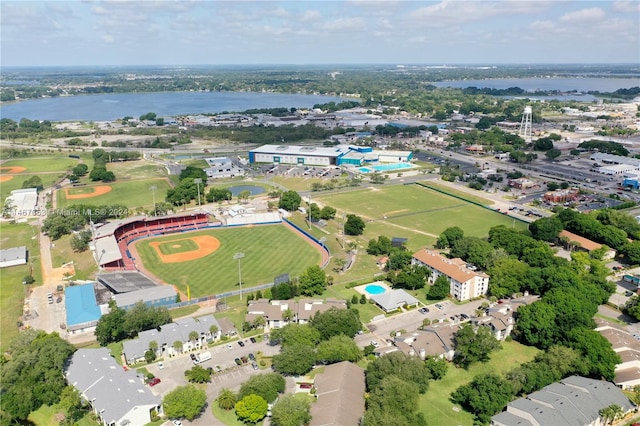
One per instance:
(12, 291)
(84, 263)
(415, 211)
(46, 416)
(139, 169)
(58, 163)
(133, 193)
(435, 403)
(269, 250)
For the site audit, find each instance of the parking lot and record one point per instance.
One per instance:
(328, 172)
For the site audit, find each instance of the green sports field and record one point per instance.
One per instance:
(270, 250)
(181, 246)
(133, 193)
(411, 209)
(43, 164)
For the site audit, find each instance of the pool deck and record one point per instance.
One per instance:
(361, 288)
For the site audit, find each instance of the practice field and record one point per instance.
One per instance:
(41, 164)
(418, 210)
(269, 250)
(133, 193)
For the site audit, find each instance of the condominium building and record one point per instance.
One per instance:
(465, 281)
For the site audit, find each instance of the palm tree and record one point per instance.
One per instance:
(193, 336)
(213, 330)
(611, 413)
(287, 315)
(226, 399)
(153, 345)
(259, 322)
(177, 345)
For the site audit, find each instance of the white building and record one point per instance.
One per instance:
(23, 202)
(464, 282)
(13, 256)
(222, 167)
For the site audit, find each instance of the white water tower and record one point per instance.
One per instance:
(525, 125)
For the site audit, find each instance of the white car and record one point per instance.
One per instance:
(229, 346)
(160, 365)
(375, 344)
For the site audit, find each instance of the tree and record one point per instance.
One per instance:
(184, 401)
(33, 182)
(327, 213)
(380, 246)
(226, 399)
(313, 281)
(31, 374)
(398, 260)
(213, 330)
(295, 335)
(440, 288)
(336, 322)
(177, 346)
(408, 369)
(536, 325)
(290, 200)
(294, 360)
(194, 336)
(473, 250)
(553, 153)
(393, 402)
(198, 374)
(611, 413)
(110, 327)
(474, 346)
(338, 348)
(485, 396)
(267, 386)
(251, 409)
(291, 411)
(80, 170)
(192, 172)
(354, 225)
(149, 356)
(449, 237)
(598, 358)
(244, 195)
(437, 366)
(218, 194)
(546, 228)
(72, 404)
(80, 241)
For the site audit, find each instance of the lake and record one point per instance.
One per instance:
(107, 107)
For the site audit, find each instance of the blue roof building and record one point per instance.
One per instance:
(83, 311)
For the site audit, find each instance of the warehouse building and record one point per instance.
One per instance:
(325, 156)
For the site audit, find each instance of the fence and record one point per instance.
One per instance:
(312, 238)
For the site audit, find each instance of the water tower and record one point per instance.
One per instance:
(525, 125)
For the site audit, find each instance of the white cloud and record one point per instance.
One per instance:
(310, 16)
(107, 38)
(626, 6)
(584, 15)
(343, 24)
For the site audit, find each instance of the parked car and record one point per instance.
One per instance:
(237, 361)
(244, 359)
(252, 357)
(193, 357)
(375, 344)
(160, 365)
(423, 310)
(229, 346)
(253, 340)
(254, 365)
(241, 343)
(154, 381)
(439, 306)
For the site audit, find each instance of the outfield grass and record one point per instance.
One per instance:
(60, 163)
(269, 250)
(12, 291)
(139, 169)
(133, 193)
(435, 403)
(178, 246)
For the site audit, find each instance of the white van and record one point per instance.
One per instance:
(204, 356)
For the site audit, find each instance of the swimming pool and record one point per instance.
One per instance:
(385, 167)
(374, 289)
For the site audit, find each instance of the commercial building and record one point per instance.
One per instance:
(340, 155)
(13, 256)
(83, 311)
(222, 167)
(23, 202)
(465, 281)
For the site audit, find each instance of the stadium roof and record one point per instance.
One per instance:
(107, 250)
(81, 305)
(125, 282)
(150, 294)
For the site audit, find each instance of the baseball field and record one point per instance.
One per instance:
(132, 193)
(204, 260)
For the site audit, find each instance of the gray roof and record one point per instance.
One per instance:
(124, 282)
(507, 419)
(109, 228)
(169, 333)
(113, 391)
(13, 253)
(150, 294)
(316, 151)
(394, 299)
(573, 401)
(340, 392)
(107, 250)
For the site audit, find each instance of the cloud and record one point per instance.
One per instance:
(107, 38)
(626, 6)
(310, 16)
(584, 15)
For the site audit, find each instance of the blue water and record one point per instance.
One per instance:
(374, 289)
(385, 167)
(255, 190)
(112, 106)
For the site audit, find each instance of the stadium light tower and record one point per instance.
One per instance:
(153, 192)
(237, 257)
(198, 181)
(525, 125)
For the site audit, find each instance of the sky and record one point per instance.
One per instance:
(185, 32)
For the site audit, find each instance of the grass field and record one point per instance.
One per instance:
(435, 403)
(12, 290)
(47, 416)
(133, 193)
(269, 251)
(43, 164)
(416, 210)
(83, 263)
(180, 246)
(139, 169)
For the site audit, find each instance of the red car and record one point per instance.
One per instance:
(154, 381)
